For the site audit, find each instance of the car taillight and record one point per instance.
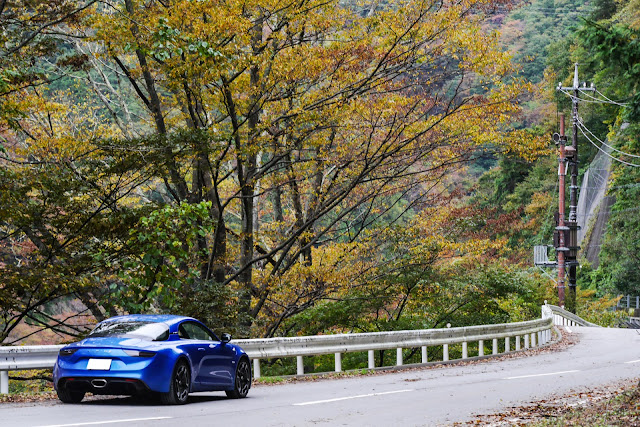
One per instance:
(67, 351)
(139, 353)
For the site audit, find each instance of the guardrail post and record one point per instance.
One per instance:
(445, 352)
(495, 346)
(371, 359)
(256, 368)
(4, 382)
(526, 341)
(464, 350)
(424, 354)
(338, 362)
(398, 357)
(533, 340)
(299, 365)
(507, 345)
(517, 342)
(481, 348)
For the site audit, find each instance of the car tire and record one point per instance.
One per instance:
(70, 396)
(179, 386)
(243, 381)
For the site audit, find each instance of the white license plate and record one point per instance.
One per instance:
(99, 364)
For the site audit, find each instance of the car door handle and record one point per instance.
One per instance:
(201, 349)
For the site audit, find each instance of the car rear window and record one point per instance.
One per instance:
(149, 330)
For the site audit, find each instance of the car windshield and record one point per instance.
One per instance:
(149, 330)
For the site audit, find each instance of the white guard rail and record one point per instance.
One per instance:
(347, 343)
(43, 357)
(562, 317)
(628, 301)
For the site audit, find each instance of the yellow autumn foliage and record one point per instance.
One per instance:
(302, 124)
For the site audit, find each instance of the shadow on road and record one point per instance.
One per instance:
(146, 400)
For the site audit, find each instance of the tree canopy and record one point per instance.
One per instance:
(245, 160)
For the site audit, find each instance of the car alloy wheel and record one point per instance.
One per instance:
(179, 387)
(243, 380)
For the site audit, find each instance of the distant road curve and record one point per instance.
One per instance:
(423, 397)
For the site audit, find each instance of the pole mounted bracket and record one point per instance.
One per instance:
(570, 153)
(541, 256)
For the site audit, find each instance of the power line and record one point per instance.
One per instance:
(581, 124)
(577, 98)
(593, 99)
(603, 151)
(623, 104)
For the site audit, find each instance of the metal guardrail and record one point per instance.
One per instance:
(632, 323)
(19, 358)
(628, 301)
(43, 357)
(370, 342)
(562, 317)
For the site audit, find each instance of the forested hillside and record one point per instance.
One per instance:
(294, 169)
(610, 51)
(604, 44)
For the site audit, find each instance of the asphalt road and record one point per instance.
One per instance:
(423, 397)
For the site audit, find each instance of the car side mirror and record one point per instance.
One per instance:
(225, 338)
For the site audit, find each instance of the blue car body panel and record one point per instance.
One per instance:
(212, 362)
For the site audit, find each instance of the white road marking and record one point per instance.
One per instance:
(95, 423)
(633, 361)
(315, 402)
(541, 375)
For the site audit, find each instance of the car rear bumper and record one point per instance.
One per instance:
(104, 385)
(155, 377)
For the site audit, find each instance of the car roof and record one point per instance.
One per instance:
(169, 319)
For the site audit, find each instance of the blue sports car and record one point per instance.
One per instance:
(166, 354)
